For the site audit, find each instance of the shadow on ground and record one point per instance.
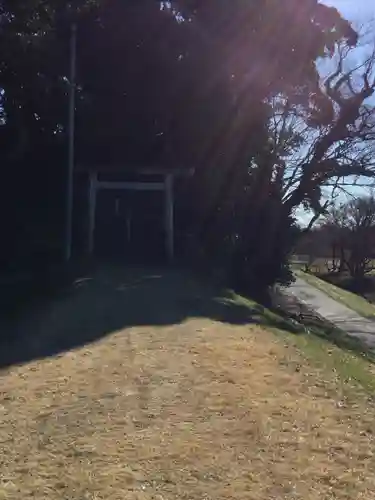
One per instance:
(112, 299)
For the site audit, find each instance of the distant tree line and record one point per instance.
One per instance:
(230, 88)
(345, 239)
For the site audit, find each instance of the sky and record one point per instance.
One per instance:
(354, 10)
(358, 12)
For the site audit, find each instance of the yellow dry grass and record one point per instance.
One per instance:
(200, 410)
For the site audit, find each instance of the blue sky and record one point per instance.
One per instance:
(357, 11)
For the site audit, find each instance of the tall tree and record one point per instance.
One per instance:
(34, 53)
(327, 141)
(183, 82)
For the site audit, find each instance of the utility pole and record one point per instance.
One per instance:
(71, 138)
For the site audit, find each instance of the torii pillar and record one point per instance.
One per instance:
(167, 186)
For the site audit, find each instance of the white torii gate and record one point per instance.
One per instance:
(167, 186)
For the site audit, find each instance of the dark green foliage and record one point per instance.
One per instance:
(186, 84)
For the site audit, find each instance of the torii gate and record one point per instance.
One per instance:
(166, 185)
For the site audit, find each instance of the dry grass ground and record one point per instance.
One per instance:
(196, 409)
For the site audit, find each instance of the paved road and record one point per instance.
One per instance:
(338, 314)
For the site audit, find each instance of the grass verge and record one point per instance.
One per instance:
(323, 345)
(349, 299)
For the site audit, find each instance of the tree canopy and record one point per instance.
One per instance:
(182, 83)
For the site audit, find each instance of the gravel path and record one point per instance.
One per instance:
(338, 314)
